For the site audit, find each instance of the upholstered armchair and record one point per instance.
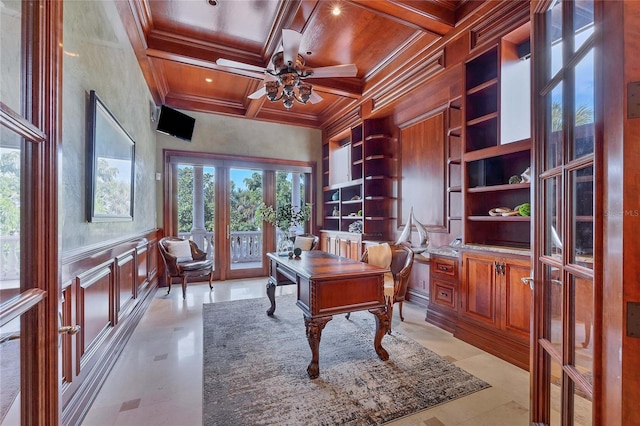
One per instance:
(306, 242)
(183, 259)
(401, 264)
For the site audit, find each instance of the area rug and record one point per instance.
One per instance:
(9, 375)
(255, 370)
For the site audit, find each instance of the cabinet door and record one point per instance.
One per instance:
(355, 250)
(516, 316)
(479, 288)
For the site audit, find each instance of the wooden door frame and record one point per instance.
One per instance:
(539, 379)
(39, 123)
(170, 188)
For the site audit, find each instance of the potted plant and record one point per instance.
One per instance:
(286, 218)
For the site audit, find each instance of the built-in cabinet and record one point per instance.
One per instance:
(444, 291)
(495, 304)
(345, 244)
(492, 166)
(479, 294)
(359, 189)
(418, 288)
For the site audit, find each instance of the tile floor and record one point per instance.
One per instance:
(158, 378)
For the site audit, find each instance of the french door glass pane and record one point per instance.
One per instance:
(245, 194)
(196, 205)
(583, 326)
(583, 408)
(582, 216)
(584, 100)
(554, 36)
(10, 53)
(555, 135)
(10, 191)
(555, 392)
(553, 285)
(582, 21)
(553, 223)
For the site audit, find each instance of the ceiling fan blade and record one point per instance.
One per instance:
(290, 45)
(234, 64)
(258, 93)
(346, 70)
(314, 98)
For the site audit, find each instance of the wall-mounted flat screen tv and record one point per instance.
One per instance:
(175, 123)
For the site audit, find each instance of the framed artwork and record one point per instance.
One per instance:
(110, 165)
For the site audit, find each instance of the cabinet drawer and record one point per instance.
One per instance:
(444, 294)
(444, 268)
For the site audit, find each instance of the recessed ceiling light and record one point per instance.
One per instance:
(335, 10)
(208, 80)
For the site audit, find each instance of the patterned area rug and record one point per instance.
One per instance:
(9, 375)
(255, 370)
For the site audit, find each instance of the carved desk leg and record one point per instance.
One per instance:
(382, 325)
(314, 328)
(271, 294)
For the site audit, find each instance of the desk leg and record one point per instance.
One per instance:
(314, 328)
(271, 294)
(382, 325)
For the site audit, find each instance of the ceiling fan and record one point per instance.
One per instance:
(284, 78)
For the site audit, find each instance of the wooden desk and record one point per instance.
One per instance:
(329, 285)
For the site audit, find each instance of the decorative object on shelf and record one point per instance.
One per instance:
(501, 211)
(355, 198)
(297, 252)
(515, 179)
(526, 175)
(335, 196)
(356, 227)
(360, 212)
(423, 236)
(335, 212)
(524, 209)
(521, 209)
(405, 235)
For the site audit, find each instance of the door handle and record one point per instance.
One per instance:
(527, 281)
(67, 329)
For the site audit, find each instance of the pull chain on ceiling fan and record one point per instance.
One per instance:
(285, 81)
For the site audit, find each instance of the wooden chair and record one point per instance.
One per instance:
(401, 264)
(197, 266)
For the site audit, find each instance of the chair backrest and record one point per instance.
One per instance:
(315, 244)
(401, 264)
(170, 261)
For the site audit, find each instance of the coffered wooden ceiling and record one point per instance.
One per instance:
(178, 41)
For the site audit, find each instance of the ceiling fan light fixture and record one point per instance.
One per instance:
(288, 102)
(271, 87)
(304, 90)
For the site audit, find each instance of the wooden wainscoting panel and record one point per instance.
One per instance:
(125, 282)
(142, 259)
(94, 309)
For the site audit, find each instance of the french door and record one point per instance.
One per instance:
(213, 199)
(566, 326)
(30, 61)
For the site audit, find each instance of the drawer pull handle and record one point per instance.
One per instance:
(443, 268)
(442, 293)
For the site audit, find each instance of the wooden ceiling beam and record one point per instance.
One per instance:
(423, 15)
